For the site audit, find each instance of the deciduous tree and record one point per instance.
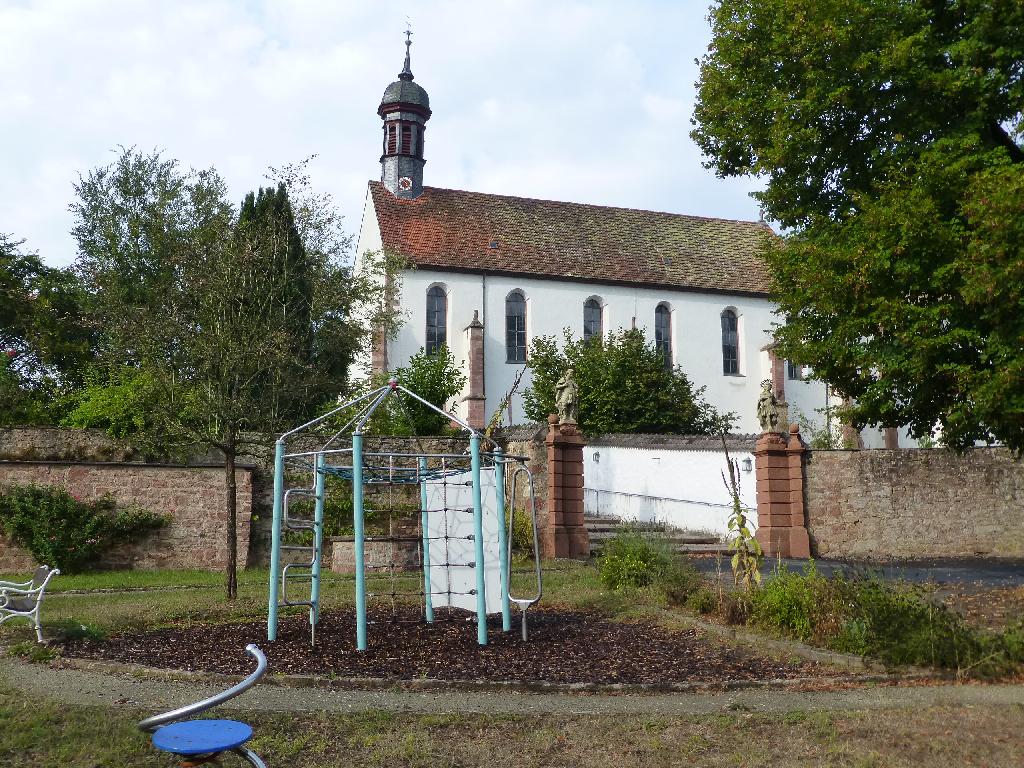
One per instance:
(623, 384)
(889, 138)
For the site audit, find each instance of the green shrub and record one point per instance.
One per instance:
(630, 560)
(896, 623)
(522, 531)
(703, 600)
(64, 532)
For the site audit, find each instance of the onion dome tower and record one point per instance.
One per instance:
(405, 109)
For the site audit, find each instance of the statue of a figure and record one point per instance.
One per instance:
(769, 412)
(567, 397)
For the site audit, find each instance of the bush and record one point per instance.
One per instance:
(630, 560)
(896, 623)
(63, 532)
(522, 531)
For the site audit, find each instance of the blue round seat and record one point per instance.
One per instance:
(201, 737)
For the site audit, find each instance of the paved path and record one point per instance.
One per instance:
(105, 689)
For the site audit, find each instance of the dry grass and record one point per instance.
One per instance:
(34, 735)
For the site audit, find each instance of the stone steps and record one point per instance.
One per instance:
(601, 529)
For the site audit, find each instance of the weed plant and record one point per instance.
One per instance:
(631, 560)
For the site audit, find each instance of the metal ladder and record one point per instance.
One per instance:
(307, 571)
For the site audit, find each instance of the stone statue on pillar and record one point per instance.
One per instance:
(567, 397)
(772, 415)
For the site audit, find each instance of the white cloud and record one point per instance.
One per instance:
(552, 99)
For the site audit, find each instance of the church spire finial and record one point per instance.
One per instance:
(406, 73)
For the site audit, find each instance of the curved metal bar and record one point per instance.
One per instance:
(247, 754)
(525, 603)
(150, 724)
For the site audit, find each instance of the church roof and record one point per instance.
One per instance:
(449, 229)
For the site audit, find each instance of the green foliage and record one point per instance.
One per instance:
(64, 532)
(631, 560)
(119, 402)
(623, 387)
(44, 342)
(437, 378)
(902, 281)
(35, 653)
(522, 532)
(896, 623)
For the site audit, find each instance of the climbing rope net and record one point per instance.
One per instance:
(429, 525)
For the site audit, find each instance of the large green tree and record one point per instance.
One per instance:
(624, 386)
(239, 323)
(888, 135)
(44, 343)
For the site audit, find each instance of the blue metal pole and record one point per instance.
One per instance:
(499, 491)
(275, 540)
(478, 541)
(318, 538)
(428, 603)
(357, 519)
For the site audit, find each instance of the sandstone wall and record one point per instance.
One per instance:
(914, 503)
(193, 497)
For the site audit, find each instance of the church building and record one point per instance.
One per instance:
(492, 272)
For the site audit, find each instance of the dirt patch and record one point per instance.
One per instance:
(564, 647)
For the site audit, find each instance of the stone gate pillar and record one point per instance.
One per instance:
(565, 535)
(781, 525)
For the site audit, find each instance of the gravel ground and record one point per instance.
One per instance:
(89, 687)
(564, 647)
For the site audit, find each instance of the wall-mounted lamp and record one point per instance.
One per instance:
(597, 456)
(748, 465)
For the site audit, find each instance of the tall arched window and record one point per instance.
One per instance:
(437, 319)
(730, 343)
(515, 328)
(592, 320)
(663, 333)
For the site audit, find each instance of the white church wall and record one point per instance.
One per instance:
(553, 305)
(681, 488)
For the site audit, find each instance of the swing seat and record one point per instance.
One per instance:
(201, 737)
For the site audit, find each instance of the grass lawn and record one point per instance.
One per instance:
(44, 735)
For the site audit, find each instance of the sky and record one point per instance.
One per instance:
(579, 101)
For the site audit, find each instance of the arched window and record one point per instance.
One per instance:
(730, 343)
(592, 320)
(663, 333)
(515, 328)
(437, 319)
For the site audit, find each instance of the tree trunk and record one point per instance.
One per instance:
(231, 578)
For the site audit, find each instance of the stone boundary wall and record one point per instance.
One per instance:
(193, 497)
(914, 503)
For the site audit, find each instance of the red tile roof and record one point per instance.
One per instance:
(449, 229)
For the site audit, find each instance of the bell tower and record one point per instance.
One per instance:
(405, 109)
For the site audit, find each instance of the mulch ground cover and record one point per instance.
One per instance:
(564, 647)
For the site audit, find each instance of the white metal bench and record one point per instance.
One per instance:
(22, 600)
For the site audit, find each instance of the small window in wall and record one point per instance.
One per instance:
(592, 319)
(437, 319)
(794, 372)
(730, 343)
(663, 333)
(515, 328)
